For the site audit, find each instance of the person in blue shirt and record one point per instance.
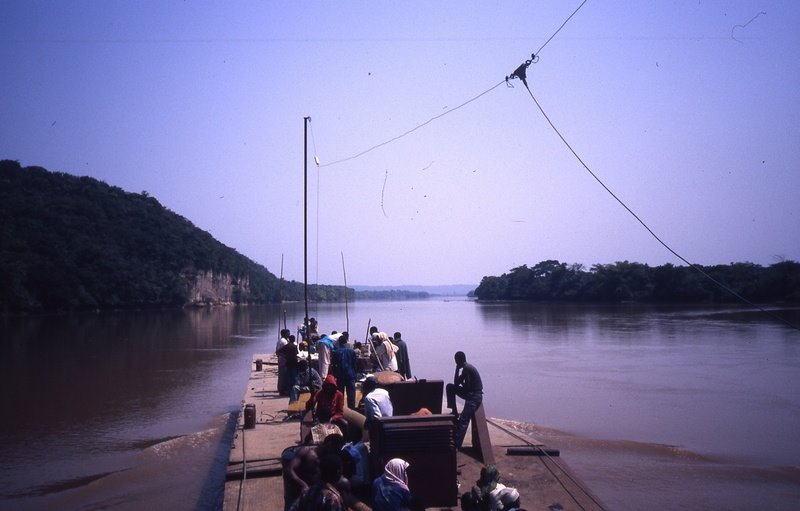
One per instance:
(343, 363)
(306, 380)
(390, 490)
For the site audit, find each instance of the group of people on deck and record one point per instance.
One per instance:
(336, 356)
(339, 363)
(338, 371)
(391, 353)
(336, 472)
(325, 478)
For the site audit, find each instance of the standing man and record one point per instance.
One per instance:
(468, 386)
(343, 366)
(283, 341)
(403, 364)
(325, 347)
(289, 354)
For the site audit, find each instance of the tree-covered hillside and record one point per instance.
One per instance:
(625, 281)
(75, 243)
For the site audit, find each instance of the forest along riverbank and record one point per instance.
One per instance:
(255, 473)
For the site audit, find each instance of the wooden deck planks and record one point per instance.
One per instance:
(261, 446)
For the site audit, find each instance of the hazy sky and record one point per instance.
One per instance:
(689, 111)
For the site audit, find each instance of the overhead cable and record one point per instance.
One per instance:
(520, 74)
(412, 130)
(562, 26)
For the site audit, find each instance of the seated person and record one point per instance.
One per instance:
(328, 404)
(304, 375)
(355, 467)
(489, 494)
(323, 493)
(390, 490)
(375, 401)
(301, 466)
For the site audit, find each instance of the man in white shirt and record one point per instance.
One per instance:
(325, 347)
(376, 401)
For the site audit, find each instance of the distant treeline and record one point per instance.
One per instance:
(392, 294)
(76, 243)
(624, 281)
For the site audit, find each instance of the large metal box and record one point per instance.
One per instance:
(427, 443)
(411, 395)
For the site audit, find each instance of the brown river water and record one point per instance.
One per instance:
(653, 407)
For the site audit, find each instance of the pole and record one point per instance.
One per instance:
(305, 217)
(280, 300)
(306, 120)
(280, 285)
(346, 311)
(366, 340)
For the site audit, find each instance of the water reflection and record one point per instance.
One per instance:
(93, 394)
(705, 378)
(86, 391)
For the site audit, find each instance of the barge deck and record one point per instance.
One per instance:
(254, 479)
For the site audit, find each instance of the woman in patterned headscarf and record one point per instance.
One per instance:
(489, 493)
(490, 478)
(390, 490)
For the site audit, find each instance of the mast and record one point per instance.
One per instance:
(306, 120)
(346, 312)
(280, 300)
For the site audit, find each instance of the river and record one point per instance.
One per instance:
(664, 408)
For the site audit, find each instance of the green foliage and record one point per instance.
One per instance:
(625, 281)
(391, 295)
(73, 243)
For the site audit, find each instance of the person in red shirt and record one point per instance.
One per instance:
(328, 404)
